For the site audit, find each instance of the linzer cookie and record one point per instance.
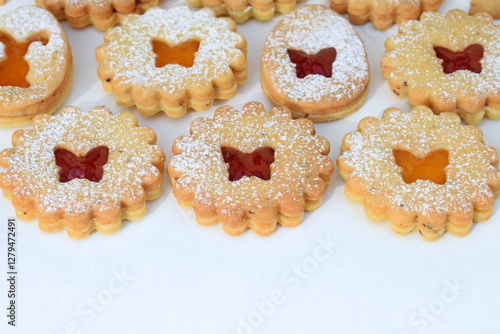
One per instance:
(35, 65)
(82, 171)
(250, 169)
(421, 171)
(241, 11)
(172, 60)
(448, 63)
(383, 13)
(103, 14)
(315, 64)
(491, 7)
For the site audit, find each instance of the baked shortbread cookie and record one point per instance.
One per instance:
(2, 2)
(315, 64)
(82, 171)
(172, 60)
(103, 14)
(448, 63)
(250, 169)
(242, 10)
(35, 65)
(491, 7)
(383, 13)
(421, 171)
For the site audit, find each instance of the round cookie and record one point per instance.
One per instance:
(421, 171)
(103, 14)
(250, 169)
(36, 65)
(447, 62)
(383, 13)
(315, 64)
(172, 60)
(82, 171)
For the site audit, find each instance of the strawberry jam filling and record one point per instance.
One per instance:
(242, 164)
(467, 59)
(89, 167)
(320, 63)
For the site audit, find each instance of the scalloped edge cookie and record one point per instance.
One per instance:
(373, 177)
(299, 174)
(127, 61)
(132, 173)
(103, 14)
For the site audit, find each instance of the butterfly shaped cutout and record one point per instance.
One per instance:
(430, 167)
(467, 59)
(242, 164)
(182, 54)
(320, 63)
(13, 67)
(89, 167)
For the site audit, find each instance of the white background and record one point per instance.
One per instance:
(181, 277)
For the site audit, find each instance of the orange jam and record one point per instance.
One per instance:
(13, 67)
(429, 168)
(182, 54)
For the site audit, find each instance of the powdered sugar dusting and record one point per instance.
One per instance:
(469, 174)
(300, 158)
(48, 63)
(311, 29)
(129, 53)
(413, 67)
(33, 173)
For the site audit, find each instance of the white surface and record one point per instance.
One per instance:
(186, 278)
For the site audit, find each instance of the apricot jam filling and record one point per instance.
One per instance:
(430, 167)
(13, 67)
(467, 59)
(182, 54)
(88, 167)
(242, 164)
(320, 63)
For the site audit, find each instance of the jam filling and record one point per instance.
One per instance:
(182, 54)
(320, 63)
(13, 67)
(242, 164)
(429, 168)
(89, 167)
(467, 59)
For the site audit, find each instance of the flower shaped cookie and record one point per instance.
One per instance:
(172, 60)
(73, 195)
(383, 13)
(448, 63)
(211, 172)
(420, 171)
(103, 14)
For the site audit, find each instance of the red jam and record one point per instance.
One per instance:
(467, 59)
(430, 167)
(89, 167)
(320, 63)
(253, 164)
(13, 68)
